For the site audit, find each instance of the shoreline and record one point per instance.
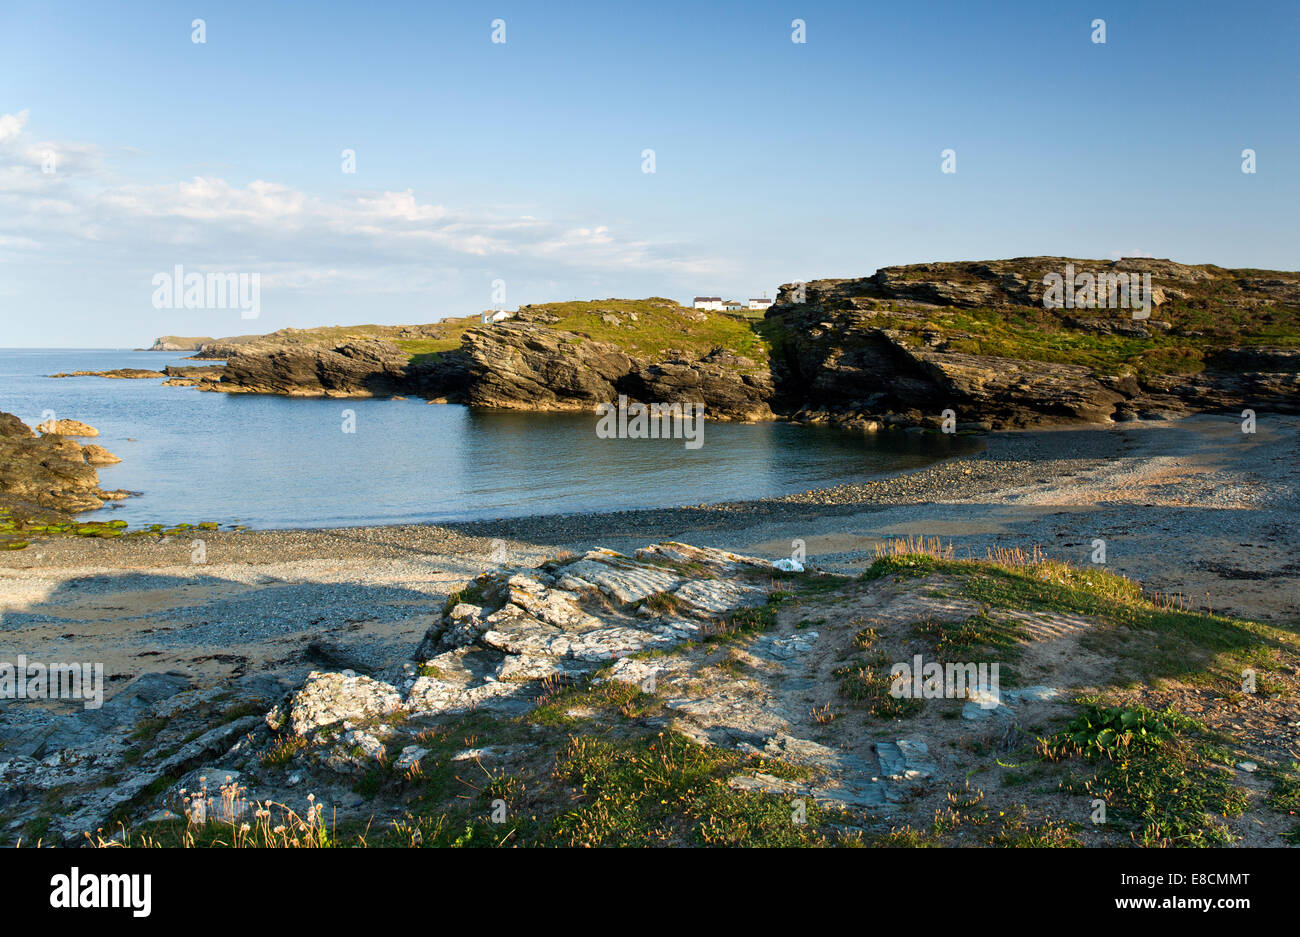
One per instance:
(1008, 463)
(1191, 507)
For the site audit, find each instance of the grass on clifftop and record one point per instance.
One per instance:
(1177, 642)
(660, 325)
(1035, 334)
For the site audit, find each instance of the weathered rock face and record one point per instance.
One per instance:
(193, 375)
(871, 346)
(355, 369)
(530, 367)
(730, 386)
(50, 471)
(196, 372)
(98, 455)
(1019, 282)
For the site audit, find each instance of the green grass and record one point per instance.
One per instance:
(661, 325)
(1284, 797)
(973, 640)
(1161, 777)
(1179, 642)
(1214, 315)
(668, 790)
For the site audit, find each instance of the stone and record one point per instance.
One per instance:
(334, 698)
(98, 455)
(644, 674)
(1031, 694)
(67, 428)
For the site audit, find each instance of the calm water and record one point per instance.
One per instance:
(280, 462)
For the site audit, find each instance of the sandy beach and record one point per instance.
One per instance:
(1195, 508)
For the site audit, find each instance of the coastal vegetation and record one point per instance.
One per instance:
(607, 764)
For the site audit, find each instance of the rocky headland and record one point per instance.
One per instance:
(977, 338)
(893, 350)
(177, 343)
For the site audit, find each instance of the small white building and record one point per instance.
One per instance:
(708, 302)
(732, 305)
(492, 316)
(761, 303)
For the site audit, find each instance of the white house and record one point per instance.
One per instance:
(488, 316)
(760, 303)
(708, 302)
(732, 306)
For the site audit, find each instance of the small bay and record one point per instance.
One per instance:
(280, 462)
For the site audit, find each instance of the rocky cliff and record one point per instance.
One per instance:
(650, 350)
(350, 369)
(986, 340)
(910, 342)
(527, 365)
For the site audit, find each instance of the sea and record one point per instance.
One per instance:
(274, 462)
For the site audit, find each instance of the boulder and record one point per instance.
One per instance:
(67, 428)
(98, 455)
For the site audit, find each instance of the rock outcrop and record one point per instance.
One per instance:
(352, 369)
(885, 347)
(521, 365)
(51, 471)
(135, 374)
(67, 428)
(680, 695)
(98, 455)
(526, 365)
(531, 367)
(193, 375)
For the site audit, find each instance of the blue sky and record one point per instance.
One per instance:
(521, 161)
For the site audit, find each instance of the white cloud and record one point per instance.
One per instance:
(11, 125)
(364, 240)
